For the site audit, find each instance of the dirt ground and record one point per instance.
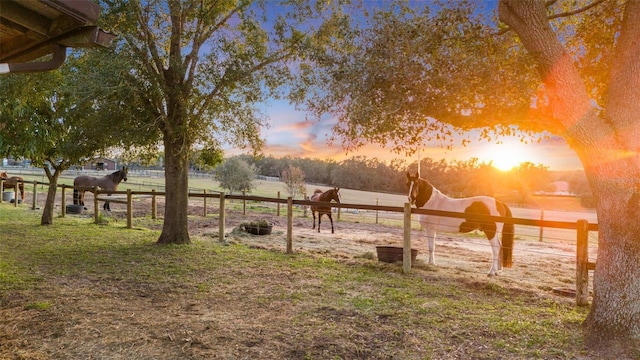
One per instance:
(115, 321)
(541, 267)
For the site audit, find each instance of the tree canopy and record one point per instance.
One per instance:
(414, 74)
(62, 118)
(293, 179)
(235, 175)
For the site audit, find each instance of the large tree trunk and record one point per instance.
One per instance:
(175, 229)
(607, 146)
(615, 312)
(47, 213)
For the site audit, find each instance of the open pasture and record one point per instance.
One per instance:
(78, 290)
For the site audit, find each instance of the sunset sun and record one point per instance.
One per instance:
(506, 156)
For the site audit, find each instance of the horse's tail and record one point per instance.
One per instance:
(76, 197)
(508, 235)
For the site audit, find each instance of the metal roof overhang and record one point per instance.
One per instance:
(33, 29)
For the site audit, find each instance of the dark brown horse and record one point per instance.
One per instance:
(327, 196)
(109, 182)
(12, 182)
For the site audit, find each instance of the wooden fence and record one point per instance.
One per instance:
(582, 227)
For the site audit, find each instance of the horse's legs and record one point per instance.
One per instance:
(431, 244)
(331, 220)
(106, 206)
(495, 254)
(314, 219)
(320, 213)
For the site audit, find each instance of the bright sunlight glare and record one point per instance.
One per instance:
(508, 155)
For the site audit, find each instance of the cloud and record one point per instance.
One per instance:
(294, 126)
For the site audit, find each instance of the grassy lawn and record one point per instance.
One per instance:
(79, 290)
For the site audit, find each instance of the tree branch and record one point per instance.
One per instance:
(227, 80)
(192, 58)
(623, 90)
(555, 16)
(147, 37)
(577, 11)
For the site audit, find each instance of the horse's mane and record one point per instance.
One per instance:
(117, 175)
(317, 191)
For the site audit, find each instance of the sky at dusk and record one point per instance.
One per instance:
(290, 134)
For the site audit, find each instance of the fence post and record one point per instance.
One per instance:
(541, 227)
(154, 207)
(96, 212)
(129, 209)
(582, 262)
(35, 194)
(64, 201)
(305, 208)
(244, 203)
(15, 194)
(278, 205)
(204, 202)
(1, 190)
(406, 251)
(221, 219)
(289, 225)
(377, 204)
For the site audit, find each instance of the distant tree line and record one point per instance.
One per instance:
(454, 178)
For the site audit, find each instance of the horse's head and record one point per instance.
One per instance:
(4, 175)
(123, 173)
(419, 191)
(413, 187)
(335, 195)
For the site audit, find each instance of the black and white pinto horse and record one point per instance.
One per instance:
(326, 196)
(423, 195)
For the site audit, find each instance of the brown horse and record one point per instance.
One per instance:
(109, 182)
(327, 196)
(12, 182)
